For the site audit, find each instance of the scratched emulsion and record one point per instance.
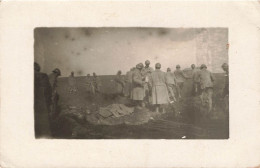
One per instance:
(82, 50)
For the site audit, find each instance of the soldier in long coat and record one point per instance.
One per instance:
(72, 83)
(120, 83)
(96, 83)
(159, 89)
(42, 103)
(206, 83)
(89, 85)
(171, 84)
(195, 80)
(180, 78)
(138, 86)
(55, 96)
(128, 83)
(146, 73)
(225, 93)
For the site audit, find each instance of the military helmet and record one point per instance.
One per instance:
(158, 65)
(57, 71)
(224, 65)
(140, 66)
(203, 66)
(37, 67)
(147, 62)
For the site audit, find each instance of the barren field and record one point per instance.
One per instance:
(184, 119)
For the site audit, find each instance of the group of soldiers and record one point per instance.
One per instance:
(146, 86)
(92, 84)
(45, 100)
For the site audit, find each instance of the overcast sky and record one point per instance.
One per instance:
(107, 50)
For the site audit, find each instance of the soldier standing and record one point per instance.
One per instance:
(146, 73)
(195, 80)
(138, 86)
(159, 90)
(226, 88)
(96, 83)
(206, 83)
(55, 96)
(180, 78)
(171, 84)
(72, 83)
(120, 83)
(42, 103)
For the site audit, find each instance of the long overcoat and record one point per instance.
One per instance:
(159, 88)
(137, 85)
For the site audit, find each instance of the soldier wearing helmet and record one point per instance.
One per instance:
(180, 78)
(53, 77)
(55, 96)
(159, 88)
(206, 84)
(195, 80)
(120, 83)
(146, 73)
(138, 86)
(42, 103)
(225, 93)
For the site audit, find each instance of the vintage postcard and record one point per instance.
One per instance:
(130, 84)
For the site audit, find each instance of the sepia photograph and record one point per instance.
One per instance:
(131, 83)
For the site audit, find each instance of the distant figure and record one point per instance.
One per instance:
(225, 93)
(96, 83)
(55, 96)
(146, 73)
(195, 81)
(159, 90)
(206, 83)
(72, 83)
(42, 103)
(171, 85)
(89, 84)
(180, 78)
(128, 83)
(120, 83)
(138, 86)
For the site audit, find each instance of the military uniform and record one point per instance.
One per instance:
(195, 82)
(128, 84)
(146, 73)
(89, 85)
(171, 84)
(96, 84)
(180, 77)
(42, 103)
(72, 84)
(159, 89)
(206, 83)
(137, 85)
(119, 82)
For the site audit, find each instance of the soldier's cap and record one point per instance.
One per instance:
(140, 66)
(192, 65)
(203, 66)
(37, 67)
(178, 66)
(224, 65)
(147, 62)
(57, 71)
(157, 65)
(168, 69)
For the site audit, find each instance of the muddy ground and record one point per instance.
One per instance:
(185, 119)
